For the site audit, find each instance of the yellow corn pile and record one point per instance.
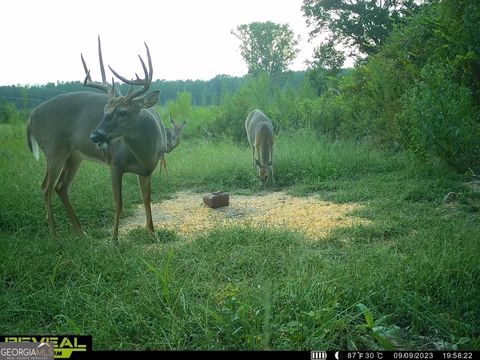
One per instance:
(187, 215)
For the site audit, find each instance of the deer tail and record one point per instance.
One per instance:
(32, 143)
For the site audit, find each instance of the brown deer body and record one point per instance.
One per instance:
(121, 131)
(259, 130)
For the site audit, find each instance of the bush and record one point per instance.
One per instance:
(10, 115)
(420, 91)
(440, 120)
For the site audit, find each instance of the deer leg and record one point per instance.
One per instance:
(47, 187)
(163, 163)
(62, 187)
(271, 162)
(117, 196)
(145, 187)
(47, 197)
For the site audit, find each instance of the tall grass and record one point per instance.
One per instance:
(301, 159)
(409, 279)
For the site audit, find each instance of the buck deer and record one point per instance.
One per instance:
(173, 139)
(121, 131)
(260, 136)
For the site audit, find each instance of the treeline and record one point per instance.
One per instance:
(204, 93)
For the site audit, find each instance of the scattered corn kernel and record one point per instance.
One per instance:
(187, 215)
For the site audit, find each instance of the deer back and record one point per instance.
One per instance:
(260, 134)
(65, 122)
(264, 143)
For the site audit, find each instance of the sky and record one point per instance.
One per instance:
(41, 40)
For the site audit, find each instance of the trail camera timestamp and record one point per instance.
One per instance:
(405, 355)
(457, 355)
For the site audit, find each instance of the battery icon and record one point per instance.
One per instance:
(318, 355)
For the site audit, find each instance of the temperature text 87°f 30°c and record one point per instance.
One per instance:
(363, 355)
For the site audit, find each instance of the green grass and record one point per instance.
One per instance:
(410, 279)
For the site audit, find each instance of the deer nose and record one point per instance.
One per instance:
(96, 137)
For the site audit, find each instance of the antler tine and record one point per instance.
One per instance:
(145, 83)
(150, 74)
(138, 81)
(118, 75)
(88, 80)
(145, 71)
(87, 72)
(104, 86)
(100, 58)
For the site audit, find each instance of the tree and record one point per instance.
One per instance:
(326, 65)
(360, 25)
(267, 46)
(327, 57)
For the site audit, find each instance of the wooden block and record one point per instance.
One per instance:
(217, 199)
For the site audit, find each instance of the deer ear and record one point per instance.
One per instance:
(149, 100)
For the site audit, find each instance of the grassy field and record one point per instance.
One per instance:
(410, 279)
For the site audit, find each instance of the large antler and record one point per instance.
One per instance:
(145, 82)
(104, 86)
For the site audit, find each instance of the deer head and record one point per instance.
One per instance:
(263, 171)
(121, 112)
(174, 134)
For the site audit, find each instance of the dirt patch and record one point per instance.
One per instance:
(188, 216)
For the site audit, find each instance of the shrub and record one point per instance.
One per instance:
(440, 120)
(10, 115)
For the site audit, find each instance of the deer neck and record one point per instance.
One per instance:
(144, 142)
(173, 142)
(263, 143)
(264, 153)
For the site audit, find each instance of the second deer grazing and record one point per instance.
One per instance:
(260, 136)
(121, 131)
(173, 139)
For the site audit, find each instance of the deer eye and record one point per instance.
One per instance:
(122, 112)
